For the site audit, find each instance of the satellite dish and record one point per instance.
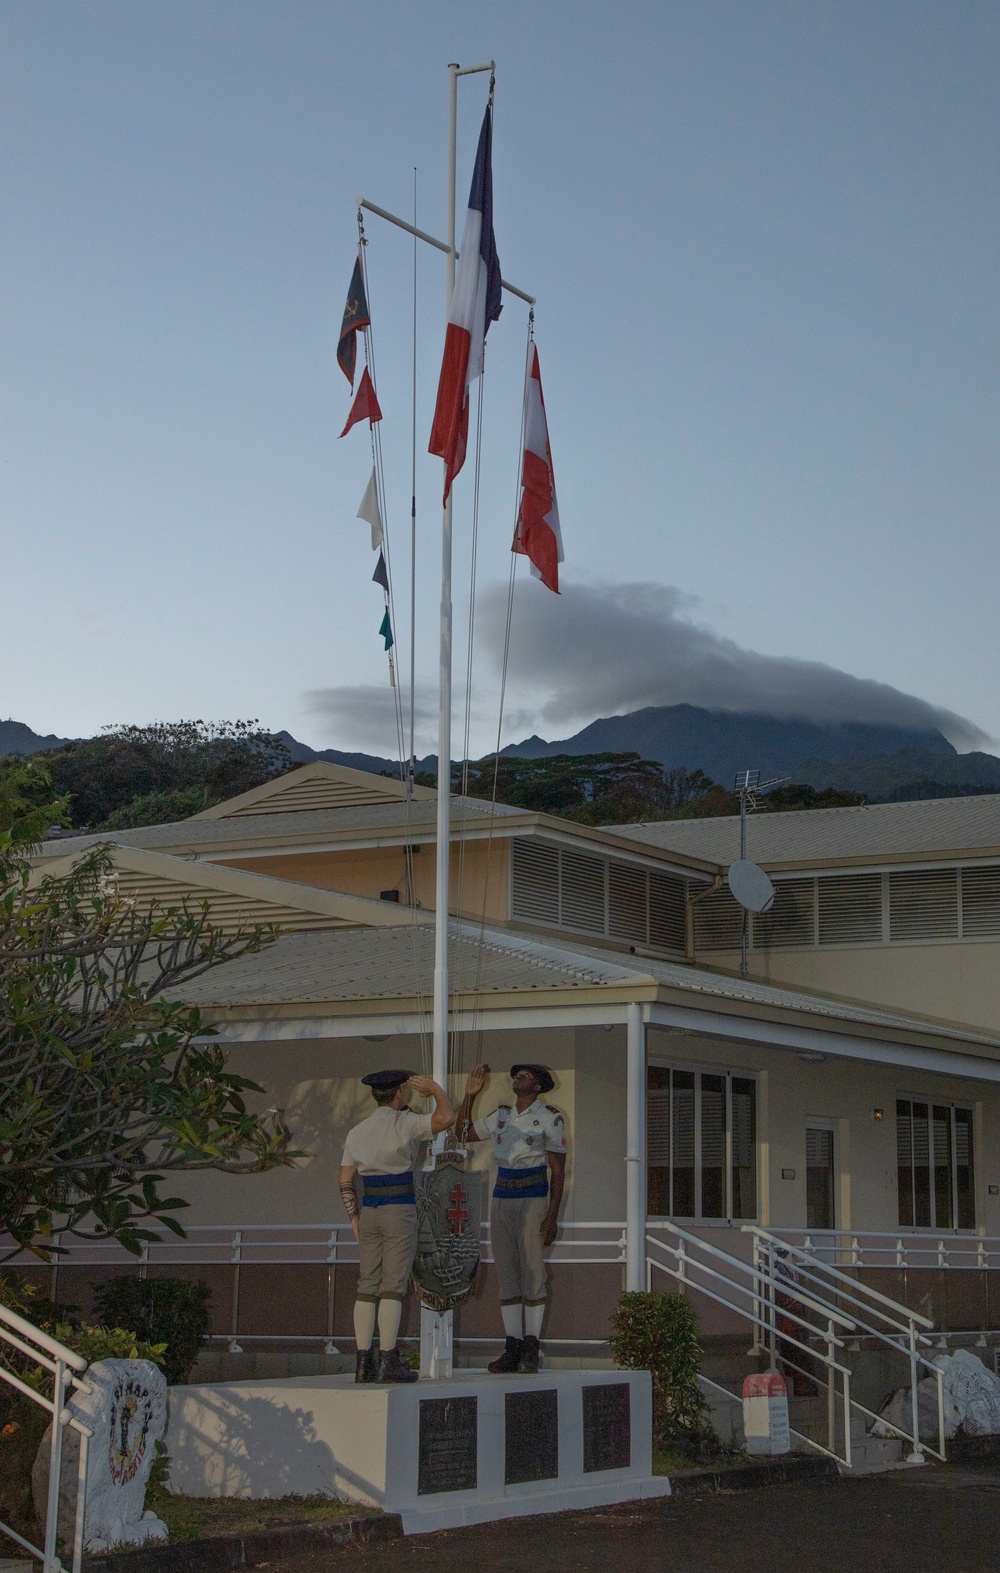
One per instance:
(750, 885)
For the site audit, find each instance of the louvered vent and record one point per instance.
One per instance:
(850, 910)
(666, 911)
(981, 903)
(627, 902)
(559, 888)
(791, 919)
(924, 905)
(225, 911)
(536, 882)
(718, 922)
(583, 892)
(315, 793)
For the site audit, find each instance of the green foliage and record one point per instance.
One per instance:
(173, 1313)
(159, 808)
(105, 1083)
(658, 1333)
(137, 770)
(27, 807)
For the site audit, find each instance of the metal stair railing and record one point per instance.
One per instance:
(752, 1292)
(66, 1369)
(875, 1315)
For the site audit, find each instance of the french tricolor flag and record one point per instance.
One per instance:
(475, 303)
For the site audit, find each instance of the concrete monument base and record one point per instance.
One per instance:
(440, 1453)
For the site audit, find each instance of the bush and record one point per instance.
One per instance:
(658, 1333)
(172, 1312)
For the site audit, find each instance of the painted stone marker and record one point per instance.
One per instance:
(124, 1404)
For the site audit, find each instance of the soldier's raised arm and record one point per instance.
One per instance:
(443, 1117)
(473, 1087)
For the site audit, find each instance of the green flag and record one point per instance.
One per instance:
(386, 630)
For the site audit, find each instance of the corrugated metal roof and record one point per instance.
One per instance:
(234, 898)
(303, 823)
(894, 832)
(375, 966)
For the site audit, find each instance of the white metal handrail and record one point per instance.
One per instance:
(752, 1292)
(67, 1368)
(898, 1332)
(883, 1248)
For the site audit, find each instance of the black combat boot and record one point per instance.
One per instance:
(510, 1359)
(366, 1368)
(528, 1363)
(392, 1369)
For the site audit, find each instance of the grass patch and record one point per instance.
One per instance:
(199, 1518)
(668, 1462)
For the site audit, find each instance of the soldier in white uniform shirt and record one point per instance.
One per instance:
(528, 1140)
(383, 1150)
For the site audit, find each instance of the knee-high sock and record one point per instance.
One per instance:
(364, 1322)
(512, 1319)
(533, 1315)
(389, 1313)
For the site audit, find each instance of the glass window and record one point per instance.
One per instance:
(934, 1165)
(701, 1144)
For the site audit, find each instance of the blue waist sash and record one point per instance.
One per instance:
(519, 1185)
(388, 1190)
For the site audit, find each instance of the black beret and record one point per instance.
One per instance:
(543, 1076)
(383, 1080)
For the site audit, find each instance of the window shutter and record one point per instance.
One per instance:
(981, 902)
(582, 893)
(850, 910)
(627, 901)
(536, 882)
(924, 904)
(792, 918)
(658, 1126)
(718, 922)
(666, 911)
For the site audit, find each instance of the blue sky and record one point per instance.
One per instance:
(764, 240)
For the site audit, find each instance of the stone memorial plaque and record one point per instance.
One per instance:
(447, 1456)
(607, 1427)
(531, 1436)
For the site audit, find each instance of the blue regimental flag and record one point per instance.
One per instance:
(355, 317)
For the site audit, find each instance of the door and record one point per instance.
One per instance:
(820, 1177)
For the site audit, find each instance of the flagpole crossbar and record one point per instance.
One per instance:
(439, 245)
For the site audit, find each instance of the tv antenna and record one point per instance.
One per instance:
(746, 880)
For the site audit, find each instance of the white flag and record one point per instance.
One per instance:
(369, 511)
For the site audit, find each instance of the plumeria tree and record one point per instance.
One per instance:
(109, 1082)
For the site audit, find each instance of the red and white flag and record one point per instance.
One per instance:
(475, 303)
(537, 535)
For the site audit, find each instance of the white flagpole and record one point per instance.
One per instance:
(441, 889)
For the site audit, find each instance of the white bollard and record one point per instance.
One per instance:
(436, 1343)
(765, 1414)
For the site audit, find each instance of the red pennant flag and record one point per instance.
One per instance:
(365, 403)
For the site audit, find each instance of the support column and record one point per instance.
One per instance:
(635, 1152)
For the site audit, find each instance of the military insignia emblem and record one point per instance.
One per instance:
(449, 1217)
(131, 1418)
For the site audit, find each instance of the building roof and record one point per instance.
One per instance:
(936, 829)
(234, 898)
(357, 972)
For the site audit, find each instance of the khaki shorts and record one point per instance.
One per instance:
(387, 1247)
(515, 1233)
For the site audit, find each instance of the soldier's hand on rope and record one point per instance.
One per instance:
(476, 1081)
(548, 1230)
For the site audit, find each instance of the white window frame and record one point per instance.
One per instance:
(698, 1069)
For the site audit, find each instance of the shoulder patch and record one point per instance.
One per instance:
(552, 1108)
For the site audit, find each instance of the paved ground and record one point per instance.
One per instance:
(943, 1520)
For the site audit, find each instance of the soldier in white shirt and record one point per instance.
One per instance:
(529, 1148)
(383, 1150)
